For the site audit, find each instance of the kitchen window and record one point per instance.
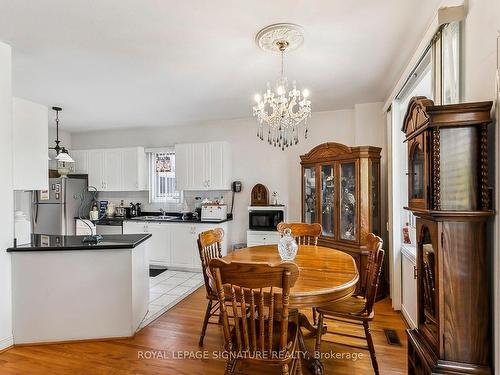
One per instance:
(162, 177)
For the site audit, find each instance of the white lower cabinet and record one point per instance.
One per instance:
(159, 251)
(409, 286)
(262, 237)
(174, 244)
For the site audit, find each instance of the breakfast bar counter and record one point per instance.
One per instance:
(65, 289)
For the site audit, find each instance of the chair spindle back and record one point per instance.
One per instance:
(257, 293)
(305, 234)
(209, 247)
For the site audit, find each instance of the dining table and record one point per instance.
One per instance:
(326, 275)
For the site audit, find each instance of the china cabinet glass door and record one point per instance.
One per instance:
(348, 204)
(417, 170)
(309, 195)
(374, 198)
(328, 200)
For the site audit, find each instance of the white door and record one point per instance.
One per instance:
(182, 166)
(113, 170)
(159, 243)
(199, 176)
(133, 227)
(130, 170)
(80, 166)
(216, 167)
(96, 169)
(409, 289)
(183, 245)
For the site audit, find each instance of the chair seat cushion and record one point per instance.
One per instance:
(352, 307)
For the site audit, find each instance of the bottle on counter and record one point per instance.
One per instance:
(94, 212)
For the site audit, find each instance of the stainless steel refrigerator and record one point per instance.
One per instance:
(54, 211)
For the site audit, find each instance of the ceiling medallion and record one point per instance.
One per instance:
(281, 110)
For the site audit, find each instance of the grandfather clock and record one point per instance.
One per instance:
(448, 193)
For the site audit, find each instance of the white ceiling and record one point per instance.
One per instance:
(130, 63)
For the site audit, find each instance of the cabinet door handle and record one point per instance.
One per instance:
(208, 183)
(415, 272)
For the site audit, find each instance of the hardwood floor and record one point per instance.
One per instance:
(177, 331)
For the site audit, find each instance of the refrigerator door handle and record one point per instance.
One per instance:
(34, 212)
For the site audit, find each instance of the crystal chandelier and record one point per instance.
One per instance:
(281, 111)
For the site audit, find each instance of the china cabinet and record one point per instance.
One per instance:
(449, 195)
(341, 191)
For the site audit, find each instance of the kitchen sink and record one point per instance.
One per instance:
(155, 218)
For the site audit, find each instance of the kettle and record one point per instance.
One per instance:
(133, 210)
(138, 209)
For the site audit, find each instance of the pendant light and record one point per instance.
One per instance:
(61, 152)
(62, 156)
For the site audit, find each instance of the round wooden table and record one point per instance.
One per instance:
(325, 275)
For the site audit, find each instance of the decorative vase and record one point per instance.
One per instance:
(287, 246)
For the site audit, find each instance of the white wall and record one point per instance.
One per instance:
(7, 217)
(254, 161)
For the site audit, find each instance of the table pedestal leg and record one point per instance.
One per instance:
(313, 364)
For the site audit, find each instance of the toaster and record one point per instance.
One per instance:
(214, 212)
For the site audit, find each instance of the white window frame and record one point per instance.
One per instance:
(440, 62)
(171, 196)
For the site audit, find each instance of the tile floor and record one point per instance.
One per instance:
(169, 288)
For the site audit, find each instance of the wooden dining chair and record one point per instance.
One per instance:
(357, 309)
(209, 247)
(263, 331)
(305, 234)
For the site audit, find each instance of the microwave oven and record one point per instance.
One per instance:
(266, 220)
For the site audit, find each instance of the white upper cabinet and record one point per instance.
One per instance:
(203, 166)
(30, 140)
(134, 169)
(96, 169)
(81, 164)
(114, 169)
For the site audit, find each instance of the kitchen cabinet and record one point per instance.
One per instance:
(115, 169)
(183, 243)
(96, 169)
(159, 248)
(203, 166)
(29, 145)
(258, 238)
(174, 245)
(409, 285)
(81, 164)
(134, 169)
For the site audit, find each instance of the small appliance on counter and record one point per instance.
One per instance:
(133, 210)
(120, 211)
(214, 213)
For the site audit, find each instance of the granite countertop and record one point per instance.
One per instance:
(176, 220)
(41, 242)
(174, 217)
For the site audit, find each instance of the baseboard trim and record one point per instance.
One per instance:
(73, 341)
(6, 344)
(407, 317)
